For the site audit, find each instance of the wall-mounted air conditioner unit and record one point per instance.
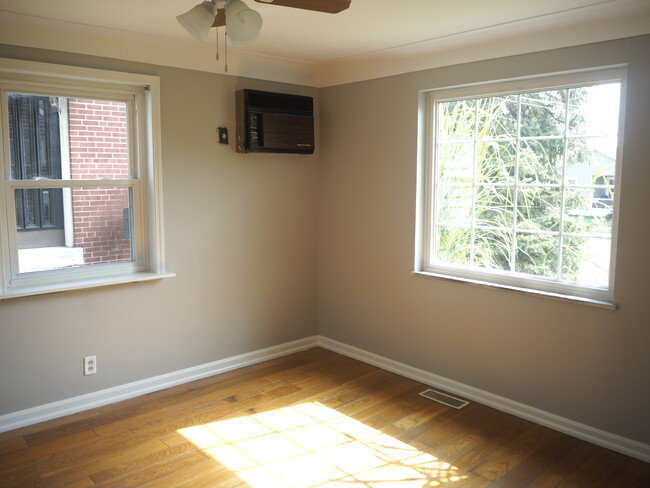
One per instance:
(274, 122)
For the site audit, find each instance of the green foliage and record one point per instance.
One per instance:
(487, 128)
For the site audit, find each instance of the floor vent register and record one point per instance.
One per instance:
(444, 398)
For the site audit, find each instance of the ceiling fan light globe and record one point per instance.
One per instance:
(198, 20)
(242, 23)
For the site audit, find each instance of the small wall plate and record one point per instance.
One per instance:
(222, 135)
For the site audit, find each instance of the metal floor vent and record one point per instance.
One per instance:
(444, 398)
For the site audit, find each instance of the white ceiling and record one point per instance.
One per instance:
(372, 38)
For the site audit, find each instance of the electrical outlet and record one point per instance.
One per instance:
(90, 365)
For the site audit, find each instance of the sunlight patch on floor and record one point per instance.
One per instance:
(310, 445)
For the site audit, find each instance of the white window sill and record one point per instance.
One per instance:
(17, 292)
(539, 293)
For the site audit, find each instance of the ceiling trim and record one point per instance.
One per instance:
(603, 22)
(596, 23)
(38, 32)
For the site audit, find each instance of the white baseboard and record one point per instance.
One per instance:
(599, 437)
(76, 404)
(96, 399)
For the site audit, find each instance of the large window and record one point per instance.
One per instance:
(80, 181)
(521, 184)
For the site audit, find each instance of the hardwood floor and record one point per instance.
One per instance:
(310, 419)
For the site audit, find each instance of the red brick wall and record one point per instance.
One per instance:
(99, 149)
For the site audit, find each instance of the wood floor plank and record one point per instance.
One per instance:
(152, 472)
(408, 423)
(165, 410)
(21, 476)
(509, 431)
(474, 428)
(330, 362)
(42, 452)
(91, 450)
(137, 462)
(211, 478)
(554, 447)
(358, 388)
(187, 474)
(460, 445)
(13, 444)
(439, 434)
(510, 455)
(597, 467)
(573, 459)
(82, 483)
(139, 443)
(181, 396)
(439, 415)
(547, 479)
(173, 439)
(366, 404)
(312, 389)
(62, 470)
(49, 424)
(252, 388)
(223, 380)
(221, 396)
(632, 472)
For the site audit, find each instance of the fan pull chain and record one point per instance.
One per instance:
(225, 48)
(217, 56)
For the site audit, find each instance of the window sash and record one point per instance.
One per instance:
(141, 93)
(426, 260)
(138, 236)
(133, 100)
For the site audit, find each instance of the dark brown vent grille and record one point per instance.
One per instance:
(279, 102)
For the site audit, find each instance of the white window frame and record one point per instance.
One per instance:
(142, 94)
(424, 263)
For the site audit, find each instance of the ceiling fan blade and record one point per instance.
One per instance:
(220, 19)
(328, 6)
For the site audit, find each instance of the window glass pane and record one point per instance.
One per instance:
(496, 161)
(456, 120)
(94, 131)
(455, 204)
(540, 161)
(494, 206)
(593, 110)
(98, 139)
(456, 162)
(589, 158)
(537, 254)
(539, 208)
(493, 248)
(586, 260)
(585, 213)
(543, 113)
(39, 208)
(454, 244)
(34, 137)
(497, 117)
(96, 228)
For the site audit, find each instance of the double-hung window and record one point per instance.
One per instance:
(521, 184)
(80, 178)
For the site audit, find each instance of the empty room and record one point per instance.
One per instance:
(324, 243)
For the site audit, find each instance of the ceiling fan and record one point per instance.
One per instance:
(242, 23)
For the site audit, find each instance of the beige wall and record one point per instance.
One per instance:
(583, 363)
(240, 233)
